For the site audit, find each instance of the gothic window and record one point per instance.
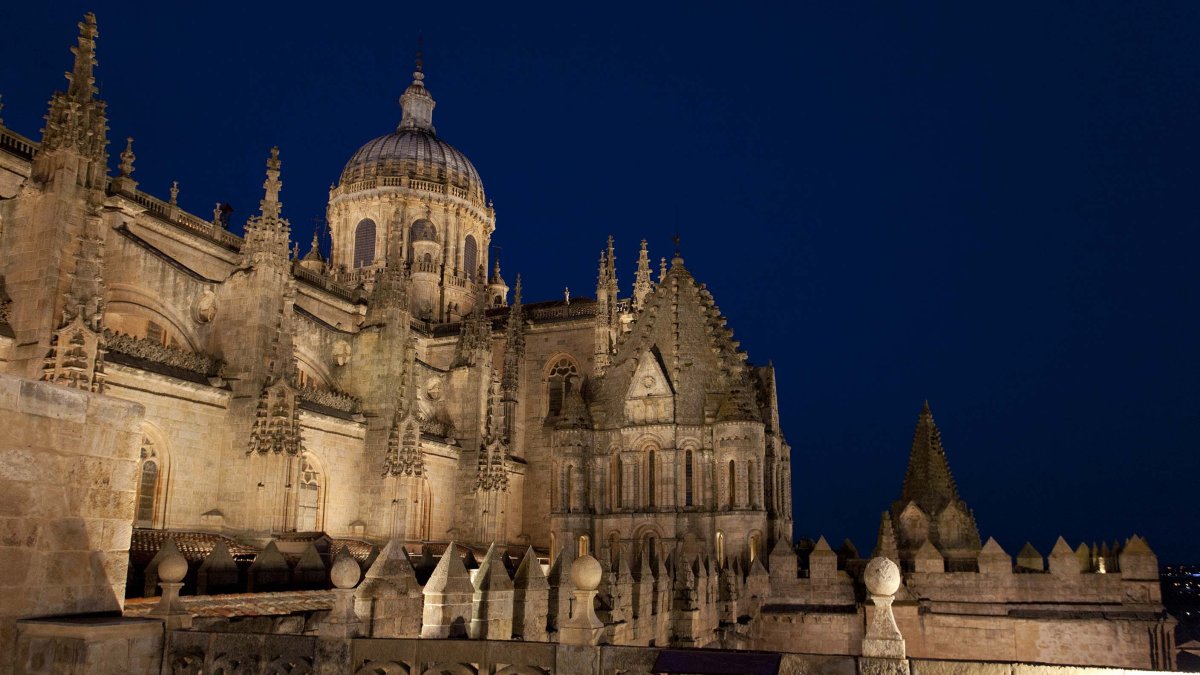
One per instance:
(687, 478)
(419, 511)
(364, 243)
(308, 497)
(556, 383)
(147, 489)
(585, 546)
(720, 548)
(731, 490)
(151, 486)
(755, 544)
(470, 257)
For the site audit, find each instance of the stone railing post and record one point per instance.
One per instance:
(883, 646)
(171, 571)
(583, 627)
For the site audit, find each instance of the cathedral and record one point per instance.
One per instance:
(397, 390)
(401, 394)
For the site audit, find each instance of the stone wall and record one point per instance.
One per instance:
(67, 466)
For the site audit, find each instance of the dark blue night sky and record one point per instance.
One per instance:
(990, 207)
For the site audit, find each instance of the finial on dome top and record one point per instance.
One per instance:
(677, 261)
(416, 104)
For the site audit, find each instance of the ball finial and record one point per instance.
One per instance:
(172, 568)
(882, 577)
(345, 572)
(586, 573)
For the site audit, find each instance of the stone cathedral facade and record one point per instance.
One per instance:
(400, 395)
(400, 389)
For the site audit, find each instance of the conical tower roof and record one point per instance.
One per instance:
(928, 481)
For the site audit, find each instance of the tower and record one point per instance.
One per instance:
(410, 197)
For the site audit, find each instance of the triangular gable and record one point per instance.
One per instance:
(649, 398)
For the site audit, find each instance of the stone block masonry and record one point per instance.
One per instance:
(67, 464)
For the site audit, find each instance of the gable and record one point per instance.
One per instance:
(649, 398)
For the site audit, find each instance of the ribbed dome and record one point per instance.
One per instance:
(413, 149)
(415, 153)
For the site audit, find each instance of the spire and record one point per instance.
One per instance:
(416, 104)
(270, 205)
(641, 282)
(514, 345)
(268, 235)
(314, 251)
(76, 119)
(662, 269)
(928, 481)
(82, 79)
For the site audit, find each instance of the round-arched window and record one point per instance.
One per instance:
(364, 243)
(470, 257)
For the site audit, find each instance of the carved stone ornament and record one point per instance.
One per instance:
(205, 309)
(341, 352)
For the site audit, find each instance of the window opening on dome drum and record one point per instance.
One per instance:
(470, 255)
(364, 243)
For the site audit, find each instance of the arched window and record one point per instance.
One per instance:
(153, 472)
(720, 548)
(364, 243)
(585, 546)
(556, 382)
(616, 480)
(755, 543)
(751, 485)
(308, 497)
(687, 478)
(470, 257)
(651, 476)
(569, 497)
(732, 491)
(147, 490)
(421, 230)
(614, 548)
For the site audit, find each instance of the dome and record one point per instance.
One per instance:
(414, 150)
(416, 153)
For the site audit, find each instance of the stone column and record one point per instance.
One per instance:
(334, 636)
(883, 646)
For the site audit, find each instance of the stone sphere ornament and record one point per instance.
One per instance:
(586, 573)
(882, 577)
(172, 569)
(345, 572)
